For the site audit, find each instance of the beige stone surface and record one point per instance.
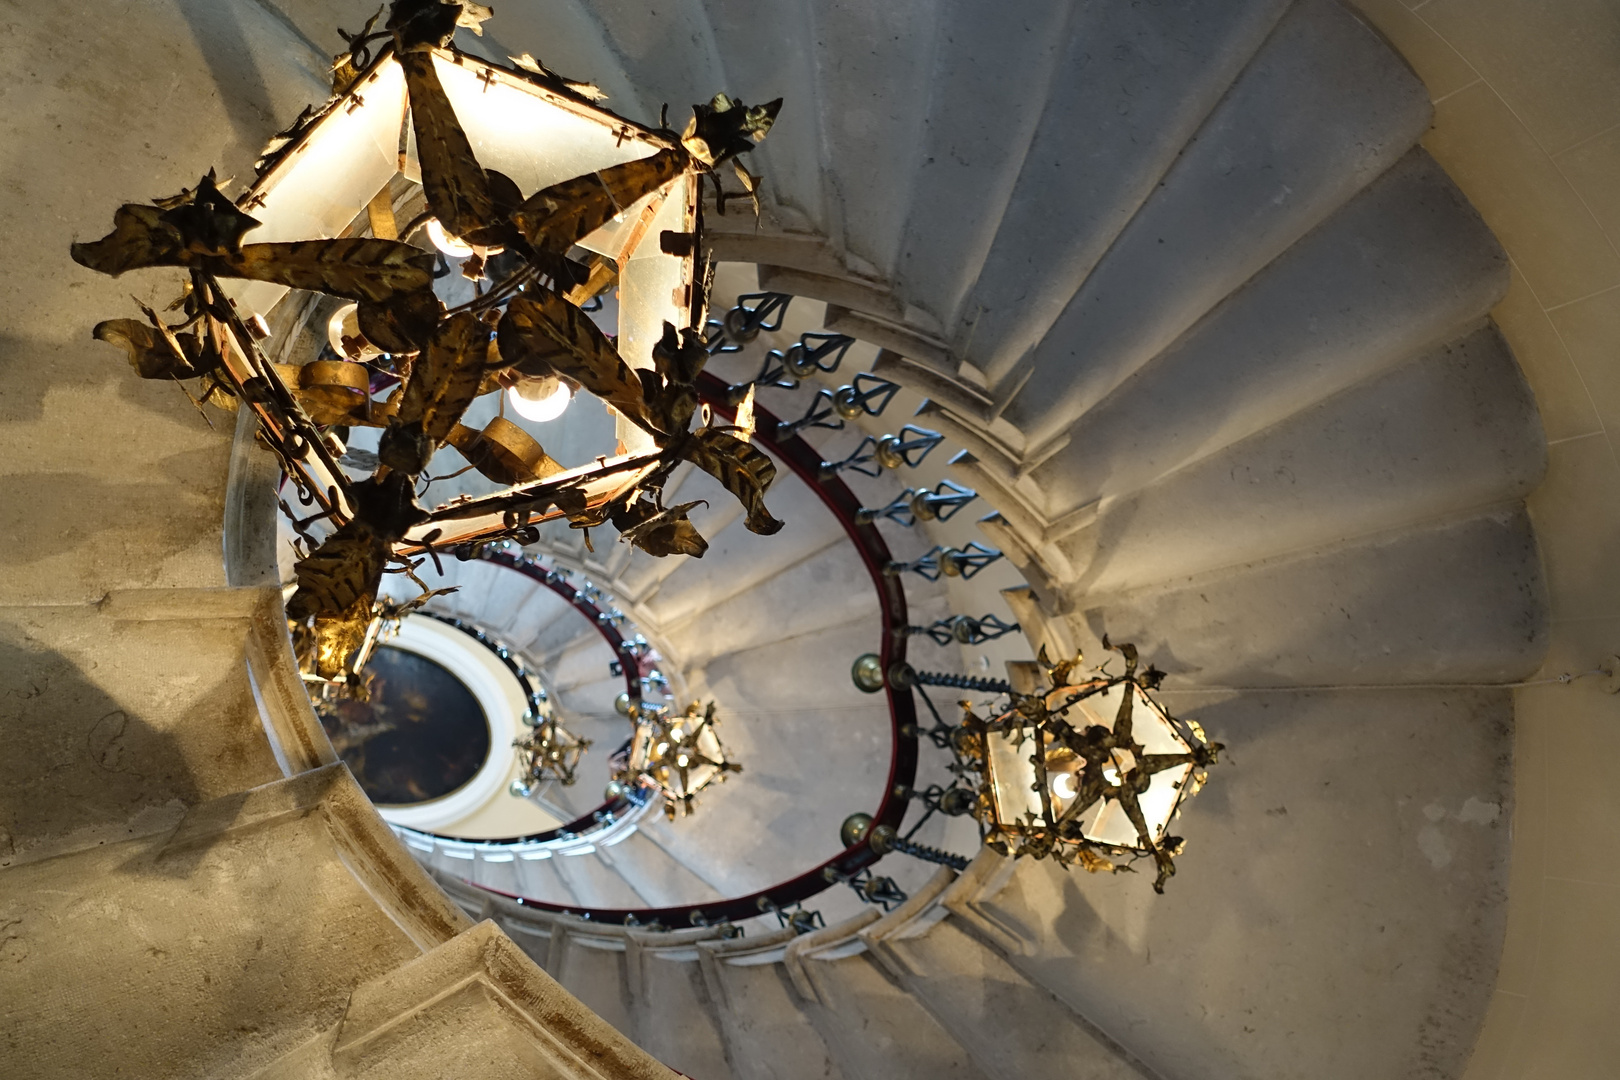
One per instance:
(121, 715)
(1534, 141)
(199, 959)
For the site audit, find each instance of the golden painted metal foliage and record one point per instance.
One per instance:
(542, 332)
(558, 217)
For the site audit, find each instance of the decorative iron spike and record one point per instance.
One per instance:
(773, 373)
(874, 455)
(821, 414)
(871, 889)
(967, 562)
(909, 447)
(786, 370)
(964, 629)
(811, 352)
(898, 510)
(801, 920)
(863, 460)
(942, 503)
(754, 312)
(920, 504)
(867, 394)
(964, 563)
(925, 566)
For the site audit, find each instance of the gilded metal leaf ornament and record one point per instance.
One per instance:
(543, 334)
(743, 470)
(344, 571)
(558, 217)
(457, 188)
(660, 532)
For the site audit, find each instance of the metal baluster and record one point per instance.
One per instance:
(821, 414)
(921, 504)
(873, 455)
(853, 399)
(885, 839)
(942, 503)
(773, 373)
(898, 510)
(744, 322)
(964, 563)
(925, 566)
(871, 889)
(811, 352)
(965, 629)
(786, 370)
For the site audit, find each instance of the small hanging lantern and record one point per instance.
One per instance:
(549, 752)
(680, 753)
(1085, 770)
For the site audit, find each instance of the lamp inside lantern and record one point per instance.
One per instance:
(1073, 770)
(680, 754)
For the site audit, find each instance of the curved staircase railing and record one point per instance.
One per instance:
(613, 819)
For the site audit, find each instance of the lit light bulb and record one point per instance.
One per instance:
(343, 334)
(547, 404)
(676, 733)
(1111, 775)
(663, 748)
(454, 246)
(682, 760)
(1063, 786)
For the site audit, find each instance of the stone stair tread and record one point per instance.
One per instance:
(991, 1009)
(1322, 109)
(1452, 429)
(214, 921)
(126, 711)
(767, 1034)
(878, 1030)
(673, 1017)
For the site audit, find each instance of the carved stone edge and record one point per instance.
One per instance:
(808, 945)
(365, 845)
(579, 1042)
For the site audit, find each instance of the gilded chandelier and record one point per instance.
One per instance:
(542, 246)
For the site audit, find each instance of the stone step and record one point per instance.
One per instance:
(125, 713)
(738, 560)
(977, 126)
(510, 1020)
(829, 588)
(1011, 1027)
(594, 882)
(1142, 101)
(1451, 430)
(655, 875)
(877, 1030)
(1323, 109)
(1358, 875)
(590, 961)
(768, 1036)
(251, 921)
(1405, 266)
(673, 1016)
(1455, 601)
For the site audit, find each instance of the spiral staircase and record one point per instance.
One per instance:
(1213, 336)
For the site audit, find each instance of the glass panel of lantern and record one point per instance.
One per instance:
(1029, 790)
